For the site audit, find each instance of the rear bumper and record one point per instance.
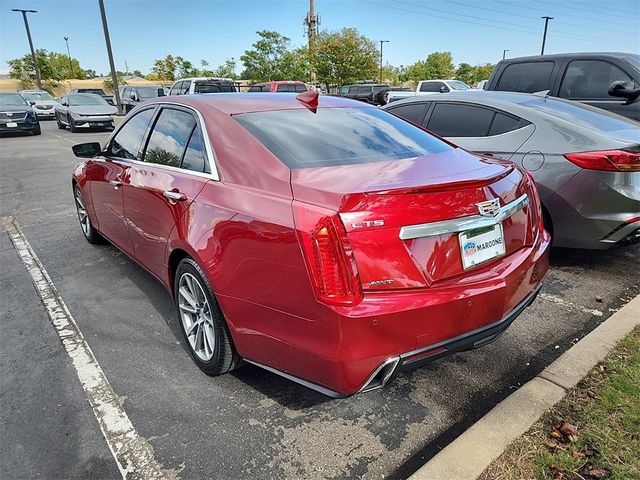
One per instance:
(21, 126)
(367, 344)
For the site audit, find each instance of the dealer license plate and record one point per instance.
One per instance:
(481, 245)
(12, 124)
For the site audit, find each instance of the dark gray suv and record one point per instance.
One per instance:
(610, 81)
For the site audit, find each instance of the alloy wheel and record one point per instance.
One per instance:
(83, 217)
(196, 316)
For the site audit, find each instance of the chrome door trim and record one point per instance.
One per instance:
(462, 224)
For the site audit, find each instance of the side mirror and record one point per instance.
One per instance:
(624, 90)
(86, 150)
(64, 103)
(161, 92)
(443, 89)
(31, 102)
(134, 97)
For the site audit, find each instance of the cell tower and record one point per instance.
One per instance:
(312, 22)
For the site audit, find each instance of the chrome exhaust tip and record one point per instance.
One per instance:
(381, 375)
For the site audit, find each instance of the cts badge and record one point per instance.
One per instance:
(368, 224)
(490, 208)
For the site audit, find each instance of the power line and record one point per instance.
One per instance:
(573, 15)
(519, 15)
(605, 9)
(496, 24)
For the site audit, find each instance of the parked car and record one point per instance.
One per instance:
(364, 92)
(190, 86)
(279, 86)
(610, 81)
(586, 161)
(131, 96)
(44, 104)
(481, 85)
(319, 238)
(17, 115)
(84, 110)
(94, 91)
(430, 87)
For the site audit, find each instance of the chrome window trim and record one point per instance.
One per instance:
(462, 224)
(211, 157)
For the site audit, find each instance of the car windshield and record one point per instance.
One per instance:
(12, 99)
(458, 85)
(338, 136)
(580, 114)
(85, 99)
(35, 96)
(147, 92)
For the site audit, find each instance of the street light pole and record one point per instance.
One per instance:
(66, 39)
(544, 35)
(504, 53)
(382, 42)
(114, 76)
(33, 52)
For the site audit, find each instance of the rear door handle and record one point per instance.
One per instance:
(175, 196)
(115, 183)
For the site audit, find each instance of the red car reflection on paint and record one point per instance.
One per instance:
(320, 238)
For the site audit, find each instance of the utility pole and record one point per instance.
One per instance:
(33, 52)
(114, 77)
(381, 43)
(66, 39)
(311, 22)
(504, 53)
(544, 35)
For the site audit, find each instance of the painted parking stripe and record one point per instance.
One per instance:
(133, 453)
(561, 301)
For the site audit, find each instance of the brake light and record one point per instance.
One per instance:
(607, 160)
(327, 251)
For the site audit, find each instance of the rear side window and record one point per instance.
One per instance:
(194, 157)
(528, 77)
(364, 90)
(169, 137)
(590, 79)
(259, 88)
(338, 136)
(506, 123)
(431, 87)
(283, 88)
(353, 90)
(414, 112)
(128, 141)
(299, 88)
(456, 120)
(213, 87)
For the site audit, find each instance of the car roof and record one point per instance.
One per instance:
(236, 103)
(213, 79)
(556, 56)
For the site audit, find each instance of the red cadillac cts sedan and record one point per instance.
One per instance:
(320, 238)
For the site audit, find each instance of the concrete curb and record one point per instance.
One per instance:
(469, 454)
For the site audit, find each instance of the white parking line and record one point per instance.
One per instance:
(61, 138)
(133, 453)
(565, 303)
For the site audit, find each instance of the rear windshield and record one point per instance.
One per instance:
(338, 136)
(214, 87)
(581, 114)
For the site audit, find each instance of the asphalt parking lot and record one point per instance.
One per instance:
(250, 423)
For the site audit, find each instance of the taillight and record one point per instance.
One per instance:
(328, 254)
(534, 201)
(608, 160)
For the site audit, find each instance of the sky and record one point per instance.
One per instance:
(474, 31)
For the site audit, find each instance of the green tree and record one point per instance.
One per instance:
(466, 73)
(53, 68)
(226, 70)
(272, 58)
(436, 65)
(164, 68)
(345, 56)
(483, 72)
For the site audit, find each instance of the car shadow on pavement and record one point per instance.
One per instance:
(573, 257)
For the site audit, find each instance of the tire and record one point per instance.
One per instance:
(194, 297)
(59, 123)
(88, 230)
(72, 125)
(37, 130)
(381, 97)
